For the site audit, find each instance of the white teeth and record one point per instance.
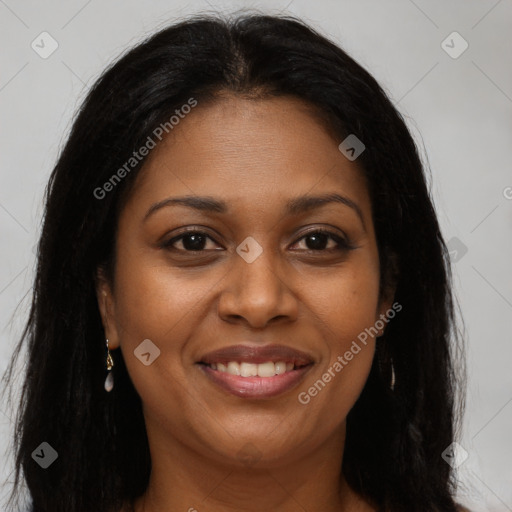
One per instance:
(281, 367)
(248, 370)
(233, 368)
(268, 369)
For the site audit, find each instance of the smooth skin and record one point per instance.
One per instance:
(302, 291)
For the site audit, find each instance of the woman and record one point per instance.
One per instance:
(243, 297)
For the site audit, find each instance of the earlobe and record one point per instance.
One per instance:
(106, 308)
(386, 301)
(386, 310)
(383, 317)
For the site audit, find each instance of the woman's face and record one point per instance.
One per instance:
(254, 273)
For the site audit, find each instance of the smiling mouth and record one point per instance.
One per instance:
(257, 381)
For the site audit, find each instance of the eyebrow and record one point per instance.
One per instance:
(293, 206)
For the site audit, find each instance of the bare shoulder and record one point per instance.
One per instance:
(461, 508)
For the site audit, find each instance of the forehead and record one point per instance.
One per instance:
(257, 153)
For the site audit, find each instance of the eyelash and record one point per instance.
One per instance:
(342, 244)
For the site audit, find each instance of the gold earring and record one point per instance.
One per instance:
(109, 381)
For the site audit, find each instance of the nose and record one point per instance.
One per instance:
(257, 293)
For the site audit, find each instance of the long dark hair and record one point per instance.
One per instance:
(395, 438)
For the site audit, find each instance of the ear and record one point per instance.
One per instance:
(106, 305)
(387, 295)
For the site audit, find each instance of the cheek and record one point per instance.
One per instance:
(152, 303)
(345, 301)
(155, 301)
(345, 313)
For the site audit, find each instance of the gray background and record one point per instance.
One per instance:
(459, 111)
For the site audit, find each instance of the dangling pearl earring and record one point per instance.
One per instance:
(109, 381)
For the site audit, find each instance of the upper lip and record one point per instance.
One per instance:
(257, 355)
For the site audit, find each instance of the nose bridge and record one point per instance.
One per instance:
(258, 269)
(257, 291)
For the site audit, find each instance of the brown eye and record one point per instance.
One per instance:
(318, 240)
(191, 241)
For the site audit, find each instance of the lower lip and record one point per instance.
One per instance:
(256, 387)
